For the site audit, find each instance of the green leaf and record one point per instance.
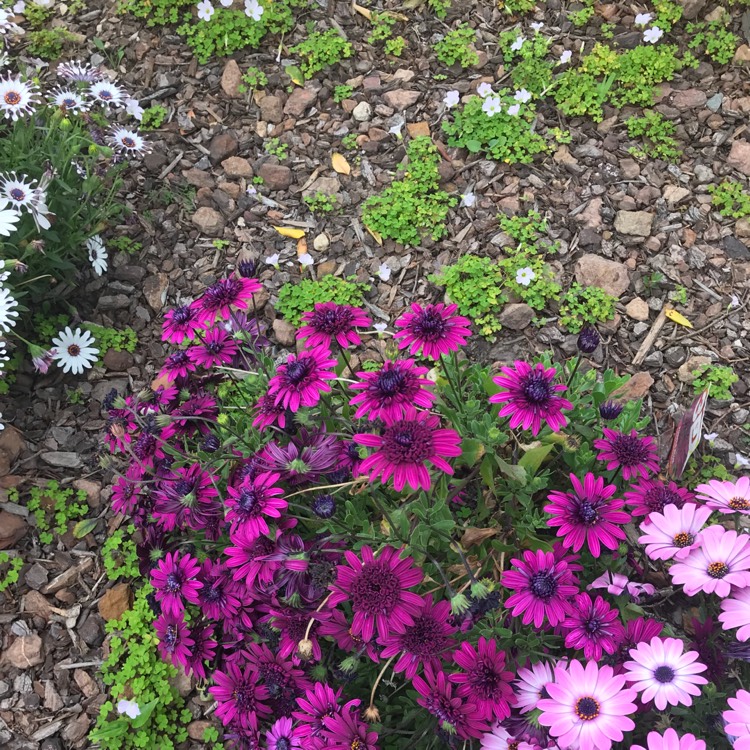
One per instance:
(532, 459)
(487, 473)
(514, 472)
(86, 526)
(295, 74)
(471, 450)
(474, 146)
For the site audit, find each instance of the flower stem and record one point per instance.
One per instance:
(380, 677)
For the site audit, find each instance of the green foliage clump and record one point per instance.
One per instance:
(578, 93)
(53, 507)
(440, 7)
(154, 117)
(320, 203)
(120, 555)
(730, 199)
(299, 297)
(123, 340)
(530, 68)
(37, 15)
(349, 142)
(516, 7)
(10, 576)
(253, 78)
(668, 13)
(581, 17)
(395, 46)
(125, 244)
(156, 12)
(134, 669)
(717, 41)
(504, 137)
(658, 133)
(48, 44)
(523, 229)
(703, 468)
(414, 205)
(580, 305)
(342, 92)
(382, 27)
(321, 50)
(275, 147)
(457, 47)
(718, 379)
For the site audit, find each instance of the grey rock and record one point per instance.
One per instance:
(285, 332)
(275, 176)
(272, 109)
(62, 459)
(740, 416)
(736, 249)
(36, 576)
(325, 185)
(209, 221)
(655, 359)
(714, 102)
(362, 112)
(113, 302)
(675, 356)
(634, 223)
(516, 316)
(640, 328)
(703, 173)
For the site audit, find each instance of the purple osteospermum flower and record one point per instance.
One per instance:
(726, 497)
(670, 740)
(245, 553)
(592, 626)
(588, 708)
(663, 673)
(126, 493)
(345, 730)
(329, 321)
(674, 532)
(378, 591)
(268, 412)
(542, 585)
(636, 455)
(186, 497)
(253, 500)
(281, 735)
(529, 397)
(203, 650)
(483, 679)
(456, 715)
(500, 739)
(283, 680)
(304, 459)
(424, 641)
(177, 365)
(588, 515)
(175, 643)
(651, 495)
(302, 379)
(610, 410)
(433, 330)
(319, 702)
(220, 298)
(721, 561)
(174, 581)
(217, 598)
(735, 613)
(240, 696)
(405, 446)
(293, 624)
(338, 628)
(179, 324)
(387, 393)
(217, 348)
(737, 720)
(531, 685)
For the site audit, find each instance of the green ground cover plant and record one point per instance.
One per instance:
(714, 38)
(299, 297)
(53, 506)
(730, 199)
(321, 50)
(457, 47)
(718, 379)
(581, 305)
(658, 134)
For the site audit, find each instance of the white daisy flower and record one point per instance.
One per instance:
(226, 3)
(643, 19)
(128, 141)
(18, 191)
(652, 35)
(9, 217)
(17, 97)
(107, 94)
(384, 272)
(518, 43)
(537, 26)
(74, 351)
(524, 276)
(205, 10)
(306, 260)
(484, 89)
(273, 260)
(380, 327)
(522, 96)
(129, 708)
(565, 57)
(253, 9)
(2, 424)
(468, 199)
(514, 109)
(68, 99)
(134, 109)
(492, 106)
(97, 254)
(7, 314)
(79, 72)
(7, 26)
(451, 98)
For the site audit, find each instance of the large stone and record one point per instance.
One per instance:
(275, 176)
(516, 316)
(222, 146)
(362, 112)
(209, 221)
(673, 194)
(686, 370)
(272, 109)
(739, 157)
(62, 459)
(635, 388)
(236, 166)
(115, 602)
(692, 8)
(118, 361)
(325, 185)
(197, 729)
(12, 529)
(231, 79)
(634, 223)
(612, 277)
(155, 287)
(401, 99)
(637, 309)
(286, 333)
(689, 99)
(735, 249)
(76, 729)
(742, 55)
(299, 100)
(198, 178)
(24, 652)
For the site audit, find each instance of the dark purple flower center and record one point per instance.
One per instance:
(17, 194)
(587, 513)
(658, 496)
(537, 389)
(324, 506)
(212, 594)
(244, 697)
(543, 586)
(485, 680)
(170, 638)
(298, 370)
(629, 450)
(407, 443)
(429, 325)
(390, 382)
(331, 320)
(182, 315)
(376, 590)
(69, 102)
(664, 674)
(177, 359)
(128, 142)
(717, 570)
(587, 708)
(592, 626)
(12, 98)
(173, 583)
(441, 707)
(105, 95)
(248, 499)
(183, 487)
(423, 639)
(282, 743)
(215, 347)
(221, 294)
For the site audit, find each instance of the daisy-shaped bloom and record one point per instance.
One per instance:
(217, 348)
(203, 650)
(522, 96)
(529, 397)
(592, 626)
(726, 497)
(174, 581)
(662, 672)
(186, 497)
(179, 324)
(543, 586)
(636, 455)
(254, 500)
(97, 254)
(175, 643)
(609, 410)
(69, 100)
(524, 276)
(378, 589)
(492, 105)
(220, 298)
(483, 679)
(128, 141)
(73, 350)
(531, 685)
(240, 695)
(9, 217)
(268, 412)
(303, 378)
(670, 740)
(653, 495)
(329, 321)
(281, 735)
(589, 515)
(643, 19)
(484, 89)
(455, 714)
(735, 613)
(588, 708)
(565, 57)
(432, 330)
(424, 642)
(17, 97)
(721, 561)
(737, 720)
(78, 72)
(673, 533)
(253, 9)
(21, 192)
(345, 730)
(652, 35)
(616, 583)
(451, 98)
(177, 365)
(404, 447)
(500, 739)
(107, 94)
(205, 10)
(318, 702)
(387, 393)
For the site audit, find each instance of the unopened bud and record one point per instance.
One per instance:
(371, 715)
(305, 648)
(459, 604)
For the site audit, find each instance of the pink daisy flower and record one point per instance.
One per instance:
(281, 735)
(174, 579)
(175, 643)
(500, 739)
(588, 708)
(303, 378)
(588, 515)
(179, 324)
(405, 446)
(253, 501)
(652, 496)
(433, 330)
(616, 583)
(387, 393)
(345, 730)
(223, 296)
(663, 673)
(737, 720)
(531, 685)
(177, 365)
(240, 695)
(318, 702)
(636, 455)
(378, 591)
(338, 628)
(217, 348)
(529, 397)
(721, 561)
(329, 321)
(670, 740)
(735, 613)
(726, 497)
(592, 626)
(675, 532)
(268, 412)
(542, 585)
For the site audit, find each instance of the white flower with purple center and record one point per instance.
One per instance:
(492, 106)
(17, 97)
(107, 94)
(9, 217)
(524, 276)
(69, 100)
(97, 254)
(451, 98)
(253, 9)
(127, 141)
(79, 72)
(484, 89)
(643, 19)
(7, 314)
(652, 35)
(522, 96)
(205, 10)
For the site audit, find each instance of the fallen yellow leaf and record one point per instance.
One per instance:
(375, 235)
(340, 164)
(674, 316)
(363, 11)
(291, 232)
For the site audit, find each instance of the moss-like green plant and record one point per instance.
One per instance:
(154, 117)
(48, 44)
(54, 507)
(299, 297)
(730, 199)
(715, 38)
(658, 133)
(718, 379)
(342, 92)
(120, 555)
(10, 570)
(320, 203)
(580, 305)
(457, 47)
(321, 50)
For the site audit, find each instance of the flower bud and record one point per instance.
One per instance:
(305, 648)
(371, 715)
(588, 340)
(610, 410)
(459, 604)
